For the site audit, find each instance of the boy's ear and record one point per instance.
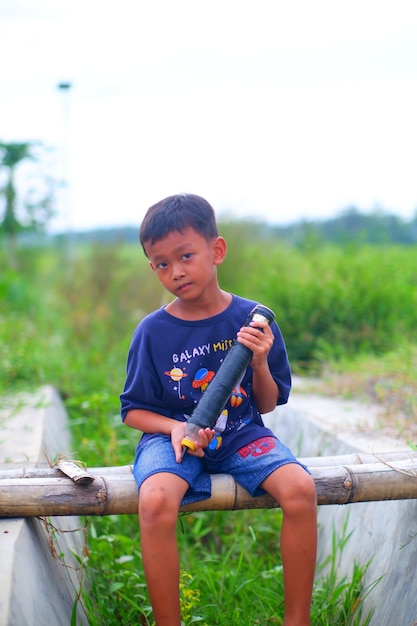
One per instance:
(220, 250)
(151, 266)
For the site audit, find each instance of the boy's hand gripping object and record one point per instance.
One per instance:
(220, 388)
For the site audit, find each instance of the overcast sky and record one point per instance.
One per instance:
(279, 110)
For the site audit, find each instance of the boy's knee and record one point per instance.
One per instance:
(309, 490)
(302, 494)
(157, 505)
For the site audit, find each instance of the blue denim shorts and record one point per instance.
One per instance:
(249, 466)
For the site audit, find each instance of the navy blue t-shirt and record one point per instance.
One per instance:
(172, 361)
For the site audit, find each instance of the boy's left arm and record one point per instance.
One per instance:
(260, 342)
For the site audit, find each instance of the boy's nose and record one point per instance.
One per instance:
(177, 271)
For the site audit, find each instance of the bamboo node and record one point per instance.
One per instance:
(102, 495)
(347, 484)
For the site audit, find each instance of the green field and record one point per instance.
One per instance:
(349, 316)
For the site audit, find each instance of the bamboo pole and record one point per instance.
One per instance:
(356, 458)
(56, 471)
(116, 493)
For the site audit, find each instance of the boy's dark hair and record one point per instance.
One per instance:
(176, 213)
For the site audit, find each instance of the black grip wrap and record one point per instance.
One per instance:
(230, 372)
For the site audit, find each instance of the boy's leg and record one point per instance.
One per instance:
(294, 490)
(159, 500)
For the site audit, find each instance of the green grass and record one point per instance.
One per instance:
(349, 312)
(232, 574)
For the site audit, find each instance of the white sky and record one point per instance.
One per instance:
(274, 109)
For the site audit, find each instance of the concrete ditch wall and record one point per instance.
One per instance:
(385, 532)
(39, 576)
(37, 587)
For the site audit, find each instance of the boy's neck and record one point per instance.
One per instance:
(200, 310)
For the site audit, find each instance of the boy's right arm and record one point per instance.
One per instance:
(150, 422)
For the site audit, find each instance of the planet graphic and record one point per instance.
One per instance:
(176, 374)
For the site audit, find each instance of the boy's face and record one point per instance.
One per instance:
(185, 262)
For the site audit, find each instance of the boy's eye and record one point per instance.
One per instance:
(162, 265)
(187, 255)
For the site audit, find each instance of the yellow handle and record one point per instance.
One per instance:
(188, 443)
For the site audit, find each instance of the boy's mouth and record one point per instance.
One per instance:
(183, 287)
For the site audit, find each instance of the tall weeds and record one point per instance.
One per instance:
(71, 327)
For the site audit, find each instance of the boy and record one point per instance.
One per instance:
(175, 351)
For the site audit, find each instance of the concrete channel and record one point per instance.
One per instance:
(384, 533)
(40, 577)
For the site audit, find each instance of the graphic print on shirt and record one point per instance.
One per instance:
(260, 446)
(238, 393)
(219, 427)
(177, 375)
(193, 364)
(202, 378)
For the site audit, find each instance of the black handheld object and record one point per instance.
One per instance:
(220, 388)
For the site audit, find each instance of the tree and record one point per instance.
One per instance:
(34, 211)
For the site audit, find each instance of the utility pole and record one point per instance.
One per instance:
(65, 200)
